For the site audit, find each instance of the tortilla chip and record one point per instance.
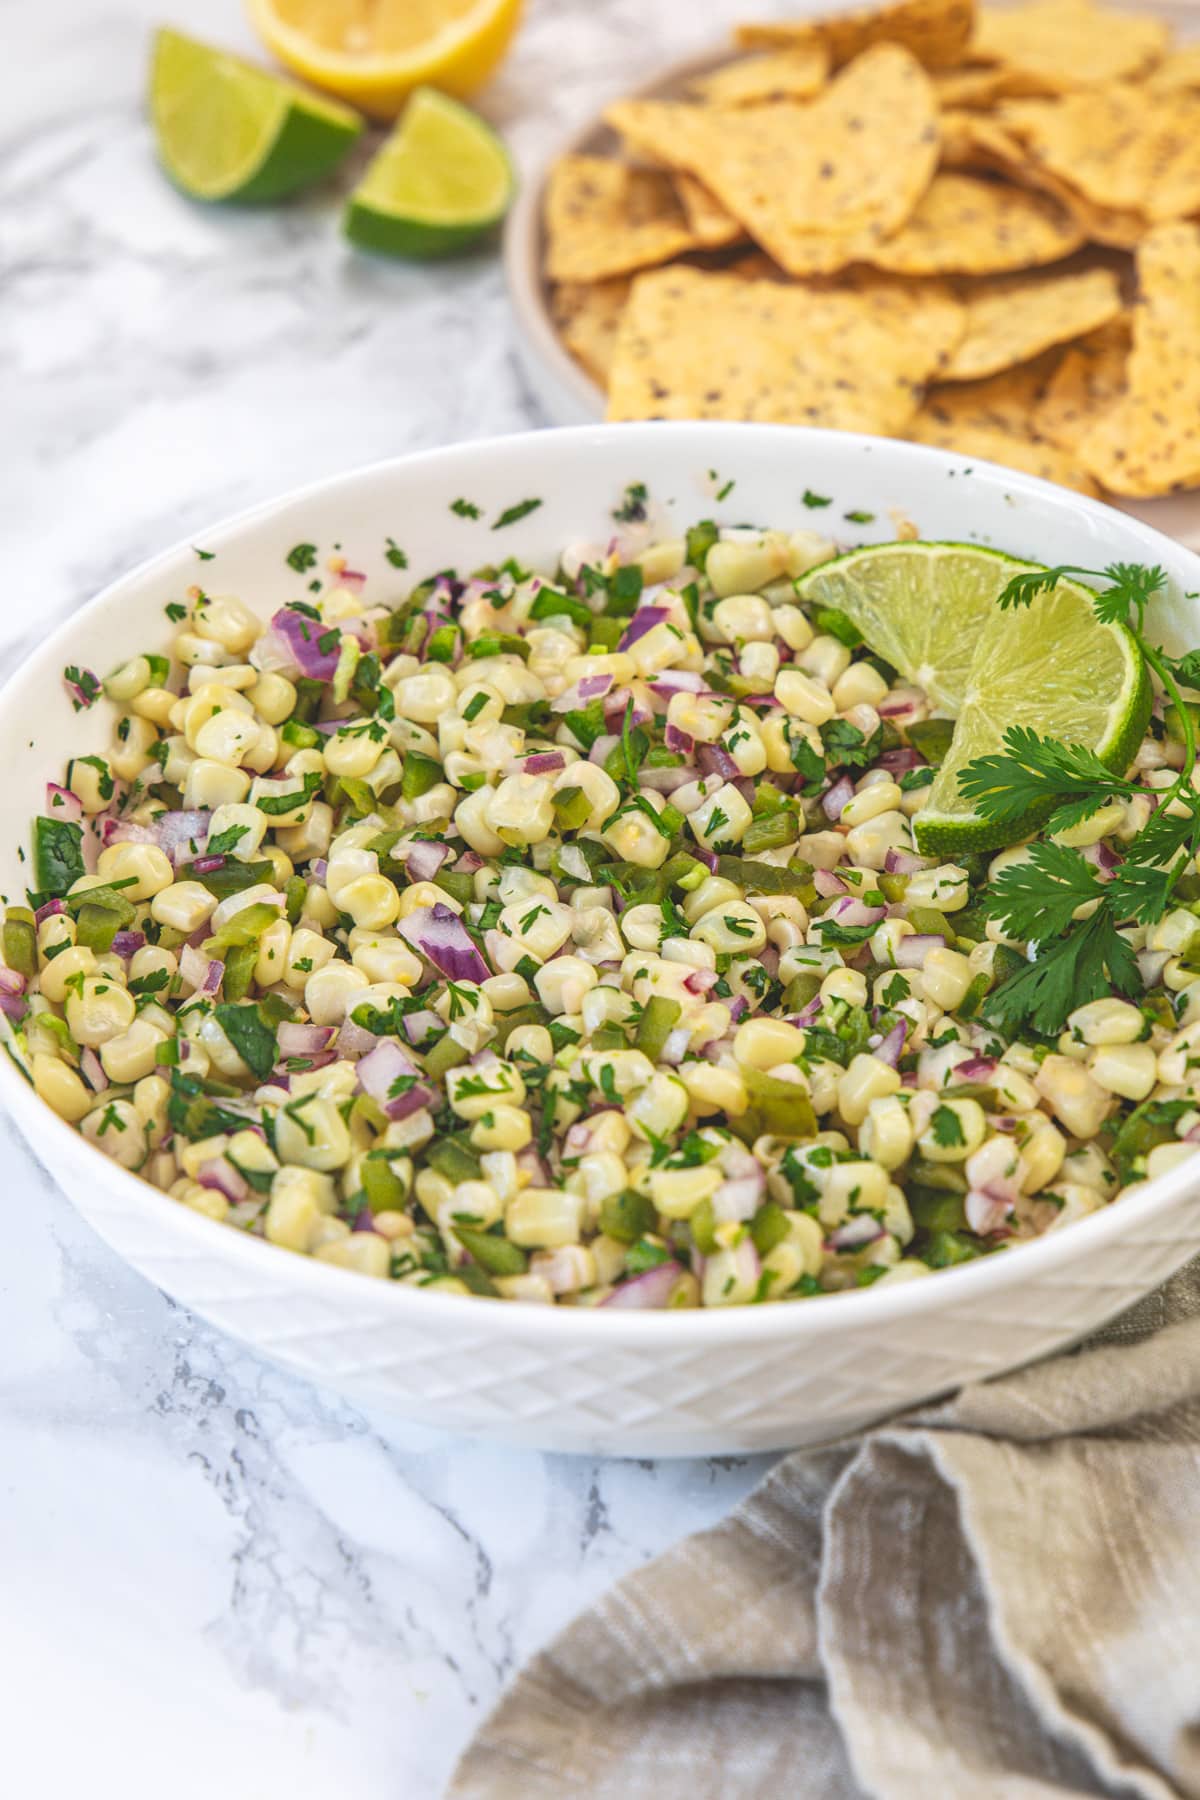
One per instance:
(971, 87)
(694, 344)
(1012, 449)
(1149, 441)
(711, 226)
(1004, 402)
(979, 142)
(935, 31)
(1089, 380)
(967, 226)
(1179, 70)
(752, 80)
(816, 184)
(1069, 44)
(587, 315)
(605, 219)
(1012, 318)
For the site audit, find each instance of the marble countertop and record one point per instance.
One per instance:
(215, 1578)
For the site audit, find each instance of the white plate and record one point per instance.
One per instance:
(747, 1378)
(566, 392)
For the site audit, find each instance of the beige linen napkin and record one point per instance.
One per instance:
(992, 1599)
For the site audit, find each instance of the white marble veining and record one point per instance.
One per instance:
(214, 1579)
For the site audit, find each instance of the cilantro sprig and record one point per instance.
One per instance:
(1054, 900)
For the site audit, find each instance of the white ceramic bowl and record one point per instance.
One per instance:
(750, 1378)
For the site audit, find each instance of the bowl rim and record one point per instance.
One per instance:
(686, 1328)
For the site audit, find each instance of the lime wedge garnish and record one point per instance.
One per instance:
(440, 181)
(930, 610)
(229, 131)
(919, 606)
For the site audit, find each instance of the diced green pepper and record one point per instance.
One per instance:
(935, 1210)
(234, 878)
(20, 941)
(245, 927)
(383, 1188)
(454, 1158)
(96, 927)
(703, 1225)
(627, 1216)
(771, 832)
(420, 774)
(446, 1054)
(458, 883)
(777, 1109)
(295, 893)
(571, 808)
(493, 1254)
(944, 1248)
(769, 1227)
(239, 968)
(659, 1019)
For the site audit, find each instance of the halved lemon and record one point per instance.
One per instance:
(375, 52)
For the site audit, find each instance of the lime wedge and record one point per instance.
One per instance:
(439, 182)
(229, 131)
(930, 610)
(919, 606)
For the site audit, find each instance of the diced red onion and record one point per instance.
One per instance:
(127, 943)
(891, 1048)
(50, 910)
(899, 760)
(532, 1163)
(651, 1290)
(469, 863)
(976, 1068)
(83, 697)
(180, 834)
(423, 859)
(739, 1198)
(665, 781)
(61, 803)
(1103, 859)
(856, 1233)
(677, 681)
(440, 936)
(904, 862)
(319, 869)
(92, 1070)
(809, 1014)
(588, 687)
(601, 748)
(707, 857)
(700, 980)
(835, 798)
(204, 975)
(294, 636)
(849, 911)
(381, 1068)
(353, 1041)
(617, 709)
(912, 950)
(714, 759)
(828, 884)
(643, 620)
(543, 762)
(304, 1040)
(986, 1211)
(675, 1046)
(321, 1060)
(218, 1172)
(354, 579)
(904, 703)
(739, 1006)
(12, 1005)
(680, 742)
(206, 865)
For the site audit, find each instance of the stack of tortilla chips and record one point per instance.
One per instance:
(971, 227)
